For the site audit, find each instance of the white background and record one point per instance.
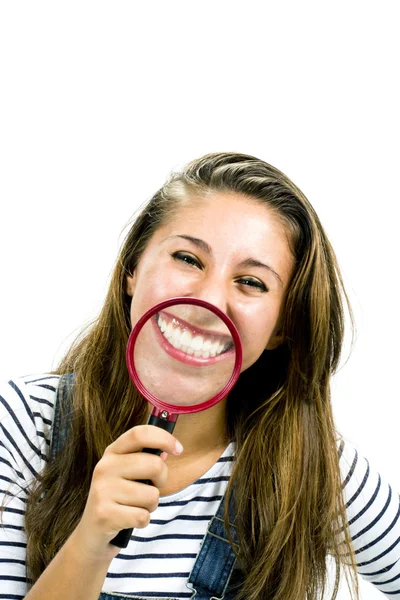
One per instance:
(100, 101)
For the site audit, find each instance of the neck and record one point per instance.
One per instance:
(202, 432)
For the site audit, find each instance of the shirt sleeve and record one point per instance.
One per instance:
(373, 512)
(25, 420)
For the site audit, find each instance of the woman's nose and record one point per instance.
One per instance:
(215, 292)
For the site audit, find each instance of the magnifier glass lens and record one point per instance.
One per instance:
(184, 354)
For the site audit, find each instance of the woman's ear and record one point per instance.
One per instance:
(130, 284)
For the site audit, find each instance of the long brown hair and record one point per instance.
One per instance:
(286, 482)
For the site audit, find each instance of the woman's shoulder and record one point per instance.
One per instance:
(368, 496)
(34, 393)
(351, 463)
(26, 410)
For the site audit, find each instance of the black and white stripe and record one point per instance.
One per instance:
(159, 558)
(373, 511)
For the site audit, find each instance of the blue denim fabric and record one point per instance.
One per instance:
(211, 577)
(211, 573)
(61, 417)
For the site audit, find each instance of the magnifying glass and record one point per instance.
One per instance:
(183, 355)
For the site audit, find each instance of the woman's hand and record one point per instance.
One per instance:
(117, 500)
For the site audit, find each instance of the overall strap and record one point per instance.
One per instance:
(62, 414)
(215, 562)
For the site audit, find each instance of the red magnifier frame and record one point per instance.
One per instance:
(173, 408)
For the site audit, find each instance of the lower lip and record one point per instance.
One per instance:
(188, 359)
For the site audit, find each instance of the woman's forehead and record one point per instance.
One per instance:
(229, 207)
(233, 224)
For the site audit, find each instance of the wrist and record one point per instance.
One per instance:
(86, 550)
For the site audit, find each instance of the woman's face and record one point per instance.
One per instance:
(228, 250)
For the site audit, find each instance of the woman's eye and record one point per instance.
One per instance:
(253, 283)
(187, 258)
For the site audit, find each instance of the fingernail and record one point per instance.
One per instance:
(178, 447)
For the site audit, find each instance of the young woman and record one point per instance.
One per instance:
(264, 489)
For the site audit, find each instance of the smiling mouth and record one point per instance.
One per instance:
(191, 340)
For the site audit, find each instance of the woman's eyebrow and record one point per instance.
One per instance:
(249, 262)
(252, 262)
(196, 241)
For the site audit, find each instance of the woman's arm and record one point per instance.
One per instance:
(24, 439)
(73, 574)
(373, 511)
(116, 500)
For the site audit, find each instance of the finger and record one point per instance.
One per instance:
(137, 466)
(135, 493)
(145, 436)
(116, 517)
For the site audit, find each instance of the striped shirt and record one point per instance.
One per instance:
(159, 558)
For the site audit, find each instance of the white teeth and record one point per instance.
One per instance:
(214, 349)
(176, 336)
(197, 343)
(186, 338)
(207, 345)
(194, 345)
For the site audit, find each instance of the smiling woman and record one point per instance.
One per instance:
(265, 489)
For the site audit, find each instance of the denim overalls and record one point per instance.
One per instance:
(211, 576)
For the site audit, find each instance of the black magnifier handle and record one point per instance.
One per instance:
(122, 538)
